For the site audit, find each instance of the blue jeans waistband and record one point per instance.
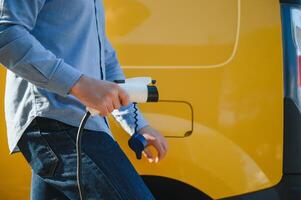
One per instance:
(47, 124)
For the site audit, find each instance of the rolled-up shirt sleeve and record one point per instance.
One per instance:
(24, 55)
(126, 115)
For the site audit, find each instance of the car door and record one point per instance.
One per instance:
(218, 67)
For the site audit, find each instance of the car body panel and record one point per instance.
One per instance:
(236, 145)
(229, 69)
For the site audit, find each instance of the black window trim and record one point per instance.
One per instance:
(291, 1)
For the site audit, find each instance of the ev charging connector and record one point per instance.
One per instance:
(140, 90)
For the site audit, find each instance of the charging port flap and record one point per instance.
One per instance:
(172, 118)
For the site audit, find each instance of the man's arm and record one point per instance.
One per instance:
(125, 115)
(24, 55)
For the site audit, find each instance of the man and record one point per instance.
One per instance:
(58, 58)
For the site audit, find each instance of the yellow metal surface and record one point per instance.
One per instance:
(160, 31)
(234, 84)
(224, 58)
(14, 173)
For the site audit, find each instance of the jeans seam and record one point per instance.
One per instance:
(56, 159)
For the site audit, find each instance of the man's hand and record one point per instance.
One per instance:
(103, 96)
(156, 140)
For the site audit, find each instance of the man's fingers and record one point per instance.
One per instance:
(164, 144)
(155, 139)
(123, 97)
(149, 138)
(110, 106)
(148, 154)
(157, 143)
(161, 152)
(103, 111)
(116, 104)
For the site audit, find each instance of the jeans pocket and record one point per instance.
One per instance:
(38, 153)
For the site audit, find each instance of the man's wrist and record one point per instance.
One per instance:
(77, 86)
(143, 129)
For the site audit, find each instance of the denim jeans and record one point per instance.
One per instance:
(49, 147)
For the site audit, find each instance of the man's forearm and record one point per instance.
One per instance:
(23, 54)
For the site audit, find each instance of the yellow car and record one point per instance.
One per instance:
(229, 77)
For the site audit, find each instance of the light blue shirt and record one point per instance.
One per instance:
(46, 45)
